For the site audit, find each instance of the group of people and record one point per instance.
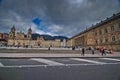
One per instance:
(101, 50)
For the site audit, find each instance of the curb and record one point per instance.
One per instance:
(60, 57)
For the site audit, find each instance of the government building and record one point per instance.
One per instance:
(104, 34)
(19, 39)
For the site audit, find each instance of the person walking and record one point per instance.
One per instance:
(73, 48)
(92, 49)
(103, 52)
(49, 48)
(100, 50)
(83, 51)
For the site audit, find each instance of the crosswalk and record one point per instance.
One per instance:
(37, 62)
(111, 59)
(1, 65)
(48, 62)
(91, 61)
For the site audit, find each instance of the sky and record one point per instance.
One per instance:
(54, 17)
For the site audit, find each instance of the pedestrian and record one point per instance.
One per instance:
(103, 52)
(73, 48)
(49, 48)
(100, 50)
(83, 51)
(92, 49)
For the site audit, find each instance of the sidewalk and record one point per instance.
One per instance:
(57, 55)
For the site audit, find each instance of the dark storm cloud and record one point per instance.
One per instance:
(59, 17)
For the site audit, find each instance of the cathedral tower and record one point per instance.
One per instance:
(29, 34)
(12, 33)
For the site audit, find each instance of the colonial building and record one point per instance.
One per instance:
(104, 34)
(20, 39)
(4, 36)
(3, 39)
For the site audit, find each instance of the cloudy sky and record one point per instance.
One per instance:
(55, 17)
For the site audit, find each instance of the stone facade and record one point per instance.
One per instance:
(19, 39)
(104, 34)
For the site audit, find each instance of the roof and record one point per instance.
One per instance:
(3, 40)
(114, 16)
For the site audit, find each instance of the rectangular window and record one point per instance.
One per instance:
(95, 33)
(96, 42)
(106, 39)
(105, 30)
(119, 26)
(100, 32)
(112, 28)
(113, 38)
(100, 40)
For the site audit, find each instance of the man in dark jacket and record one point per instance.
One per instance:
(83, 51)
(103, 52)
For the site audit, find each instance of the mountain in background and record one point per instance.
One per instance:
(48, 37)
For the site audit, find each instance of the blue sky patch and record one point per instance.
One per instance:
(43, 28)
(37, 21)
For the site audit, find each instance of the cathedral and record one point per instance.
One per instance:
(19, 39)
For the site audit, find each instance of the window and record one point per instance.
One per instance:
(100, 32)
(112, 28)
(95, 33)
(96, 42)
(106, 39)
(119, 26)
(100, 40)
(113, 38)
(105, 30)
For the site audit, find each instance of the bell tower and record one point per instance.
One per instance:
(29, 34)
(12, 33)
